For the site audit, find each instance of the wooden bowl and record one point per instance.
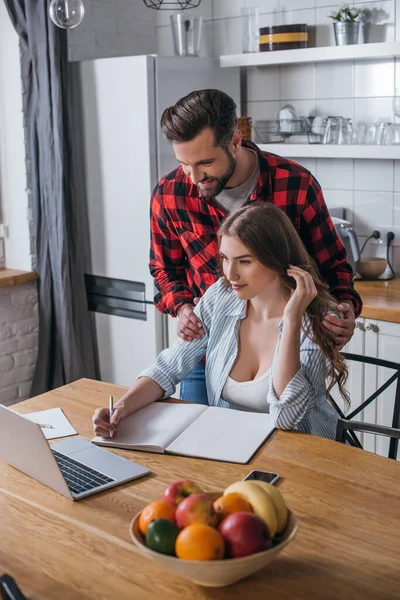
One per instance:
(215, 573)
(371, 267)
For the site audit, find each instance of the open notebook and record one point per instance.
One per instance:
(193, 430)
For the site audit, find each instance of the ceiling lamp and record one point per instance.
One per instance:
(172, 4)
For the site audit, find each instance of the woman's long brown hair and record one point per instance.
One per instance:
(274, 242)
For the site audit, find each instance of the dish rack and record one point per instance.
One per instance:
(278, 131)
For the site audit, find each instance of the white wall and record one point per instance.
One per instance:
(13, 196)
(113, 28)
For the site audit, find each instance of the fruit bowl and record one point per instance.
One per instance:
(215, 573)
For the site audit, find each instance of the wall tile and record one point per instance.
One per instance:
(308, 163)
(205, 10)
(231, 8)
(263, 83)
(262, 110)
(297, 82)
(335, 173)
(335, 107)
(331, 4)
(397, 175)
(370, 110)
(372, 210)
(377, 176)
(227, 36)
(397, 26)
(292, 5)
(165, 44)
(334, 80)
(324, 26)
(306, 15)
(374, 78)
(340, 199)
(396, 215)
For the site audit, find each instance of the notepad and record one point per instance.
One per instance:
(193, 430)
(60, 426)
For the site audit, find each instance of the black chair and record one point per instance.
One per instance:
(346, 427)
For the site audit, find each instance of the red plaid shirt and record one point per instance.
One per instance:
(184, 256)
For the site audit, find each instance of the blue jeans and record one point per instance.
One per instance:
(193, 387)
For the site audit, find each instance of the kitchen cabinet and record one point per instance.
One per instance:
(379, 339)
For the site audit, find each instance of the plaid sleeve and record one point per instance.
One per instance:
(167, 259)
(323, 243)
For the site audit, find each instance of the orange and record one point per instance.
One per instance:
(231, 503)
(156, 510)
(199, 542)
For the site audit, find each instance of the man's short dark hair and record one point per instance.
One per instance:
(197, 111)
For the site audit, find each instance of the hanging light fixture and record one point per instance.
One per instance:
(66, 14)
(172, 4)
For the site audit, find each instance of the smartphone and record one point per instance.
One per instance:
(262, 476)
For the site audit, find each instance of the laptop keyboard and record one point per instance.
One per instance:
(78, 476)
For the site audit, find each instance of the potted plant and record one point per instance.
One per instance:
(345, 26)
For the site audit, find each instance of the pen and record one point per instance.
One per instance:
(111, 408)
(44, 426)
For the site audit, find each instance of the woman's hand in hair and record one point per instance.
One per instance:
(302, 295)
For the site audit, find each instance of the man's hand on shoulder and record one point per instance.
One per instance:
(189, 326)
(342, 329)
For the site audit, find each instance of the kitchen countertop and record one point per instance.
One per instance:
(14, 277)
(381, 299)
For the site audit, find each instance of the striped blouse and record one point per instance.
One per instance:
(302, 405)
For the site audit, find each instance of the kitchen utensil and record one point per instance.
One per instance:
(349, 238)
(371, 267)
(383, 133)
(250, 31)
(186, 32)
(283, 37)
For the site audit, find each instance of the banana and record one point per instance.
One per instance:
(261, 502)
(279, 503)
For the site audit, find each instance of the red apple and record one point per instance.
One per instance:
(179, 490)
(197, 508)
(244, 533)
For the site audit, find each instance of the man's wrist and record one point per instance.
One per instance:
(182, 306)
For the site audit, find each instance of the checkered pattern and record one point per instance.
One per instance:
(184, 251)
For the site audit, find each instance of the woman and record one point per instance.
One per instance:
(265, 345)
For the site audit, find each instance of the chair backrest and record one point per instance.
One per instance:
(344, 426)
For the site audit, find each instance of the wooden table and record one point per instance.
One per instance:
(347, 501)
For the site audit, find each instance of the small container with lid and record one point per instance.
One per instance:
(283, 37)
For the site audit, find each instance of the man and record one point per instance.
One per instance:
(218, 173)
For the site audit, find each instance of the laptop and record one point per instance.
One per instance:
(75, 467)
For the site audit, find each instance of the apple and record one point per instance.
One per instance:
(197, 508)
(179, 490)
(244, 533)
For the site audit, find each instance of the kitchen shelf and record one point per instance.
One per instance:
(333, 151)
(309, 55)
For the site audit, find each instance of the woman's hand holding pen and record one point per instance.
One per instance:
(101, 421)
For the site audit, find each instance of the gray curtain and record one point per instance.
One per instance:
(67, 349)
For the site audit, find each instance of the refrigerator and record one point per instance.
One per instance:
(124, 155)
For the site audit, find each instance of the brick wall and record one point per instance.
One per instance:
(113, 28)
(19, 324)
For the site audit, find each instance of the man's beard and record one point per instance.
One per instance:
(220, 182)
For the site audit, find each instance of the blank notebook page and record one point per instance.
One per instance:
(224, 434)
